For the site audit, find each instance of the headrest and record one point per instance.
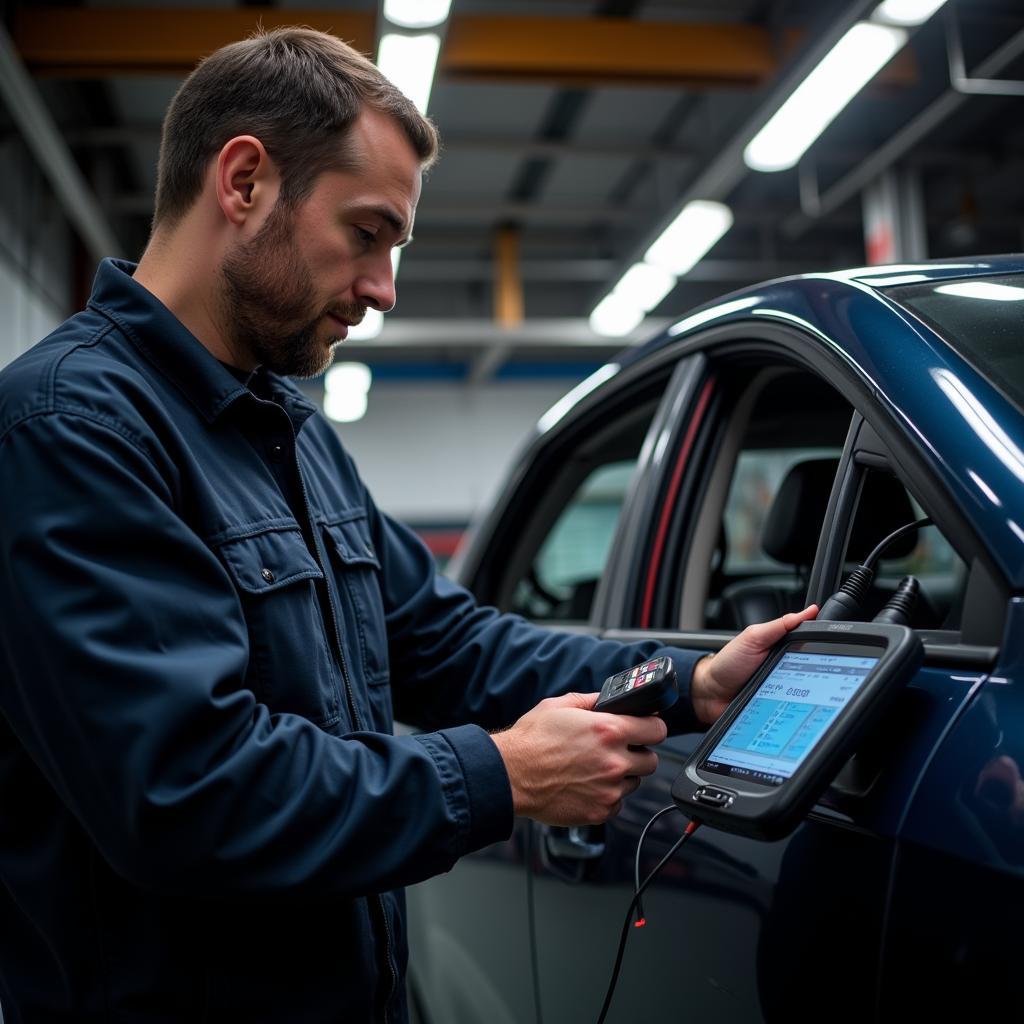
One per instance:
(793, 525)
(884, 506)
(791, 531)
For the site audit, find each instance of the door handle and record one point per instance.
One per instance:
(578, 842)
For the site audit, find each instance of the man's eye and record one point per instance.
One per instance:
(364, 236)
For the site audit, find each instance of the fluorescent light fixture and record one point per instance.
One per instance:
(369, 327)
(615, 315)
(842, 73)
(416, 13)
(906, 12)
(686, 241)
(645, 285)
(345, 408)
(346, 387)
(409, 62)
(983, 290)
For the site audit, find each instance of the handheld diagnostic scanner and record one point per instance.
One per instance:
(784, 737)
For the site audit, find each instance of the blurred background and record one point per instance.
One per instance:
(607, 166)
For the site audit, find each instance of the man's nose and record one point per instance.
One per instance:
(377, 289)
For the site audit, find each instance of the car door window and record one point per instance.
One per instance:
(563, 577)
(552, 535)
(780, 431)
(883, 505)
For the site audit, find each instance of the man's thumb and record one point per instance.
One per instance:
(577, 700)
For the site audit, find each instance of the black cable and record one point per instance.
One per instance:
(690, 829)
(894, 536)
(636, 862)
(848, 601)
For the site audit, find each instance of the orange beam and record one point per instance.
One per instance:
(103, 42)
(609, 50)
(508, 284)
(615, 51)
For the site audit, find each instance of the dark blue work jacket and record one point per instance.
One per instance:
(205, 815)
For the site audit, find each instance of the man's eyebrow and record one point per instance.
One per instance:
(392, 219)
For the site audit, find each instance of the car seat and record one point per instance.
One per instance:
(791, 532)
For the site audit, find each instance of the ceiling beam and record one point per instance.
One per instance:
(474, 335)
(430, 269)
(83, 42)
(101, 43)
(476, 212)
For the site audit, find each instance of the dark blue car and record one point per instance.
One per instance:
(734, 468)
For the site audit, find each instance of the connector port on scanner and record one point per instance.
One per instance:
(714, 797)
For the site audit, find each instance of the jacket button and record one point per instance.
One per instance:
(267, 575)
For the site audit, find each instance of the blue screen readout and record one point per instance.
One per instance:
(788, 714)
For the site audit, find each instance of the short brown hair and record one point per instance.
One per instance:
(298, 91)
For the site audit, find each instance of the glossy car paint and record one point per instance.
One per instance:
(902, 889)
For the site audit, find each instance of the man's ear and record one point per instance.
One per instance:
(245, 179)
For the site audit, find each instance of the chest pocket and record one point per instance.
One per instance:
(290, 666)
(357, 572)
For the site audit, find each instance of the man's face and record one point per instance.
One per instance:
(292, 290)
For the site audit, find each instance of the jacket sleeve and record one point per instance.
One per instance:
(453, 660)
(124, 654)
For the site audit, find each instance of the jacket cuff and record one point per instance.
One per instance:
(483, 804)
(681, 718)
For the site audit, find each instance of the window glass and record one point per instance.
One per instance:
(927, 555)
(768, 491)
(565, 572)
(981, 317)
(755, 484)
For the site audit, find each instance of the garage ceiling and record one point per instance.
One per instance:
(572, 132)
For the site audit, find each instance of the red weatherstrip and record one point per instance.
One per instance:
(670, 500)
(441, 542)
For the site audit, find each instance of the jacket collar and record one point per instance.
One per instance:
(165, 341)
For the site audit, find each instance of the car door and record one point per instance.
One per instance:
(543, 553)
(729, 917)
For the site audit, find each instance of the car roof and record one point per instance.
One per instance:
(737, 305)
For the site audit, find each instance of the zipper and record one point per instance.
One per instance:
(318, 555)
(353, 709)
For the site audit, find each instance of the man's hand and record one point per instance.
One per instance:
(718, 678)
(569, 765)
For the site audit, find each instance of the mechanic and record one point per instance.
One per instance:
(206, 815)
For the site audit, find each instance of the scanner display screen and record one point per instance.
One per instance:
(787, 715)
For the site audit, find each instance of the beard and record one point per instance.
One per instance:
(269, 304)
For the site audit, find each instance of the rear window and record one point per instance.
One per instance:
(982, 318)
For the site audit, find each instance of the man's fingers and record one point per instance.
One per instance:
(766, 635)
(630, 784)
(642, 732)
(575, 700)
(793, 619)
(642, 762)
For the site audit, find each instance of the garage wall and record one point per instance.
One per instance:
(35, 254)
(437, 451)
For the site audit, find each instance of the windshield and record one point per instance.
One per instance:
(981, 317)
